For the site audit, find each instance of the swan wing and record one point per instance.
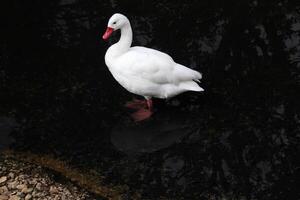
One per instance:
(155, 66)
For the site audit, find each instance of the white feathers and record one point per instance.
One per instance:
(146, 71)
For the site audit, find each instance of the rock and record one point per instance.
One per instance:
(34, 181)
(3, 179)
(66, 191)
(11, 175)
(4, 169)
(21, 195)
(38, 186)
(21, 187)
(53, 190)
(27, 190)
(13, 185)
(63, 197)
(3, 190)
(44, 182)
(3, 197)
(34, 193)
(28, 197)
(14, 197)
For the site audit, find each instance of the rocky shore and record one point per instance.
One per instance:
(26, 181)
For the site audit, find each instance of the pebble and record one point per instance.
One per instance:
(34, 194)
(3, 190)
(28, 197)
(20, 194)
(53, 190)
(3, 197)
(11, 175)
(3, 179)
(27, 190)
(12, 185)
(38, 186)
(63, 197)
(14, 197)
(21, 187)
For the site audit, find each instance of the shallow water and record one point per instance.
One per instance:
(7, 125)
(237, 140)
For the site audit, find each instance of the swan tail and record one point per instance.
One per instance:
(183, 73)
(191, 86)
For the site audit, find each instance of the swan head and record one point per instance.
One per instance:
(117, 21)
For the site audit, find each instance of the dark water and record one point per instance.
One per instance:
(240, 139)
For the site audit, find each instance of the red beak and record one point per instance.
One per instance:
(107, 33)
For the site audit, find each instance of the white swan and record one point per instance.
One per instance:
(144, 71)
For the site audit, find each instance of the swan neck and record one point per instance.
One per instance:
(121, 47)
(126, 37)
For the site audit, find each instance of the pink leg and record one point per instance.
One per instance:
(150, 104)
(136, 104)
(143, 113)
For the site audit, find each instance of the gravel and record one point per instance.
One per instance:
(26, 181)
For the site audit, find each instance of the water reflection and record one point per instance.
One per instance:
(162, 130)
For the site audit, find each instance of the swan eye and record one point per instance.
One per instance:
(114, 22)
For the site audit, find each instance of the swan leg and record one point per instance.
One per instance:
(136, 104)
(144, 108)
(150, 104)
(145, 112)
(141, 114)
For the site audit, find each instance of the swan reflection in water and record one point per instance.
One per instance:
(161, 131)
